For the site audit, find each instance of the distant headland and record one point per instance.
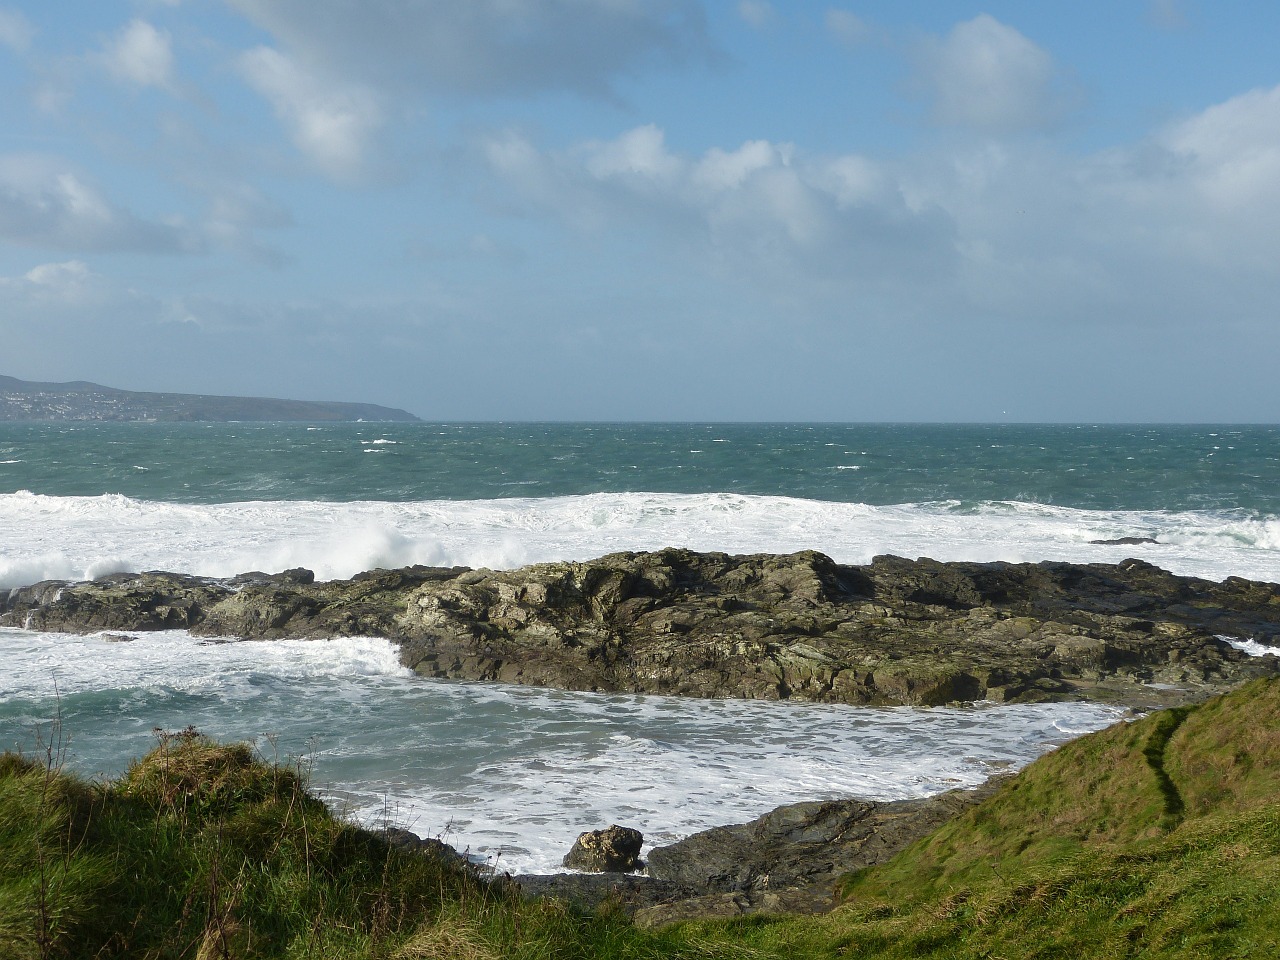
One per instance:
(82, 401)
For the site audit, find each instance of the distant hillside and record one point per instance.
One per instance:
(82, 401)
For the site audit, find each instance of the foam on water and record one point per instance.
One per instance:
(48, 537)
(512, 774)
(1252, 647)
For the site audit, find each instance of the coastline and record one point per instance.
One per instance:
(1125, 633)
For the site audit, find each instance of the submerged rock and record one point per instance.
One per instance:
(765, 626)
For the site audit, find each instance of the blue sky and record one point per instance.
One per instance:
(680, 210)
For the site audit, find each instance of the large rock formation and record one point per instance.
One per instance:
(894, 631)
(805, 844)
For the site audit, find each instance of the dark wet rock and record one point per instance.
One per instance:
(1124, 541)
(614, 849)
(785, 862)
(805, 844)
(117, 602)
(894, 631)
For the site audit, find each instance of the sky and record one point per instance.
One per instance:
(650, 209)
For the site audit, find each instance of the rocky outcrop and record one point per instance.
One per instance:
(805, 844)
(786, 861)
(894, 631)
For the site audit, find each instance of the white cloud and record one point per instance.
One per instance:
(1176, 228)
(721, 170)
(762, 208)
(58, 274)
(757, 13)
(66, 276)
(1232, 149)
(141, 55)
(847, 28)
(16, 31)
(64, 286)
(45, 203)
(639, 153)
(484, 46)
(1207, 189)
(987, 76)
(333, 124)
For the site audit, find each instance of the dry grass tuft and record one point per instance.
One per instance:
(456, 941)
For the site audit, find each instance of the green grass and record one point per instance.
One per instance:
(203, 851)
(1158, 838)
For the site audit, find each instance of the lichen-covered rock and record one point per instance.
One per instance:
(120, 601)
(894, 631)
(614, 849)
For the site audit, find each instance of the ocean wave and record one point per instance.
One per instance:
(49, 537)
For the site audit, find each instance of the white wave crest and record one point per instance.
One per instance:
(1252, 647)
(44, 537)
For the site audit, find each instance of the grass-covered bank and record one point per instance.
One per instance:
(1153, 839)
(203, 851)
(1158, 838)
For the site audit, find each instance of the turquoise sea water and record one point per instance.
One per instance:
(1086, 467)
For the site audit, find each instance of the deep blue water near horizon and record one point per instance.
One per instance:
(1087, 467)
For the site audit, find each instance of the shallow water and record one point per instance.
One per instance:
(511, 774)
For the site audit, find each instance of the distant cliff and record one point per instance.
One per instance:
(82, 401)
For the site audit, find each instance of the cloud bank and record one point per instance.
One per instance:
(486, 47)
(46, 203)
(1139, 234)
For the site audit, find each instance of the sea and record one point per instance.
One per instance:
(510, 774)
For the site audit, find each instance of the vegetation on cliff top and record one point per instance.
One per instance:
(1157, 838)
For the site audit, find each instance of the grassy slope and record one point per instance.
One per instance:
(1159, 838)
(200, 851)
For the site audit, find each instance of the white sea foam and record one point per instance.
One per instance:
(79, 537)
(1252, 647)
(512, 774)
